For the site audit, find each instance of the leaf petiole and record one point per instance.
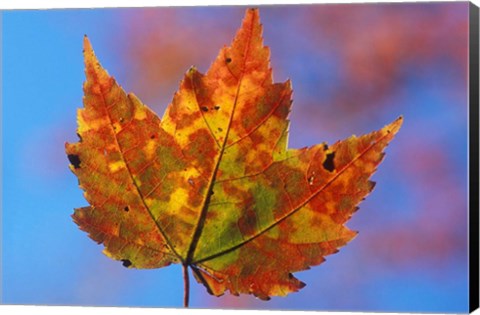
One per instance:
(186, 287)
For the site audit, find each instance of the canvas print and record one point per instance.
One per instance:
(300, 157)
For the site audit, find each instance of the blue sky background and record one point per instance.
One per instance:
(354, 69)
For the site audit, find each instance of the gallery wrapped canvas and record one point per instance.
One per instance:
(223, 157)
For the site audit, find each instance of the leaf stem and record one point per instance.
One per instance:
(186, 288)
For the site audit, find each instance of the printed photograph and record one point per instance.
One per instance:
(276, 157)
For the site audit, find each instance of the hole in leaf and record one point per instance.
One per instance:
(74, 160)
(216, 107)
(204, 108)
(126, 263)
(329, 165)
(126, 209)
(310, 180)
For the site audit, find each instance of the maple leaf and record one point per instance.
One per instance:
(212, 185)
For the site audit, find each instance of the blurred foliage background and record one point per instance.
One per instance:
(354, 69)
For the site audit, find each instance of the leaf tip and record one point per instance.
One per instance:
(394, 127)
(253, 15)
(192, 70)
(94, 72)
(89, 57)
(87, 46)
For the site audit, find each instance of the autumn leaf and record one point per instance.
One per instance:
(212, 185)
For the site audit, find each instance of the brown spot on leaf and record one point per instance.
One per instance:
(186, 120)
(257, 138)
(247, 224)
(126, 209)
(126, 263)
(74, 160)
(329, 165)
